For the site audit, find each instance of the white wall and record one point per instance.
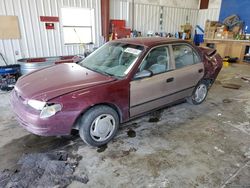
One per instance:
(35, 39)
(212, 13)
(214, 4)
(176, 13)
(148, 18)
(172, 3)
(147, 14)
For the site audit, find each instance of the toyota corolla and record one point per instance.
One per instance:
(121, 80)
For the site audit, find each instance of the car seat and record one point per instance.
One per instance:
(161, 65)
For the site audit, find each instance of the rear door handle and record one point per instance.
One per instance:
(200, 70)
(170, 79)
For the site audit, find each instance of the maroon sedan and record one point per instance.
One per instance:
(121, 80)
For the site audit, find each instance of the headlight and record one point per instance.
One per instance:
(50, 110)
(38, 105)
(47, 110)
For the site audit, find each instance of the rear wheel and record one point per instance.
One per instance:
(199, 94)
(99, 125)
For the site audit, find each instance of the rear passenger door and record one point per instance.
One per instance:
(189, 69)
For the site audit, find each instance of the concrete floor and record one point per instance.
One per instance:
(190, 146)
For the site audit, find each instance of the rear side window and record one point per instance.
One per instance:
(184, 56)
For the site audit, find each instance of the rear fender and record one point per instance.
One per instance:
(212, 63)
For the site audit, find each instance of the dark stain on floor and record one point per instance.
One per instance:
(131, 133)
(33, 144)
(102, 148)
(155, 116)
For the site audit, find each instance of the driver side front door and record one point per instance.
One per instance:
(152, 92)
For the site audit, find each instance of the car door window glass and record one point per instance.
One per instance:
(157, 61)
(196, 58)
(184, 56)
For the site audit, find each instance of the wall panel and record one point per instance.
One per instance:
(35, 39)
(147, 16)
(207, 14)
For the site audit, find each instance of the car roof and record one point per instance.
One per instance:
(149, 41)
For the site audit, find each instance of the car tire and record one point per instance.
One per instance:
(99, 125)
(199, 93)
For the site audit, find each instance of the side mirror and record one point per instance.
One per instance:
(143, 74)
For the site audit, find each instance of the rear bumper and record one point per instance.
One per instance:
(59, 124)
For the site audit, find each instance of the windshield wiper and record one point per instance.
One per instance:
(106, 73)
(101, 72)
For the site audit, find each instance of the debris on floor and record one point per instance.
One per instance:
(43, 170)
(218, 149)
(231, 86)
(227, 101)
(247, 154)
(247, 79)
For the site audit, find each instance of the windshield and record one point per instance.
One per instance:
(115, 59)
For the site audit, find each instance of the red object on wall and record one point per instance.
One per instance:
(49, 18)
(122, 33)
(118, 23)
(119, 30)
(49, 26)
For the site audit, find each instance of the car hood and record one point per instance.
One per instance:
(57, 80)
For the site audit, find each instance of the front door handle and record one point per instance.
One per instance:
(200, 70)
(170, 79)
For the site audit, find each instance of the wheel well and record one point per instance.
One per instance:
(209, 82)
(76, 123)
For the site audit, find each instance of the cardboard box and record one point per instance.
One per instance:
(209, 34)
(211, 26)
(211, 23)
(221, 28)
(228, 35)
(186, 27)
(236, 29)
(211, 29)
(218, 35)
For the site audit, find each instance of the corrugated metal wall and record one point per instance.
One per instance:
(35, 39)
(175, 17)
(147, 16)
(119, 9)
(207, 14)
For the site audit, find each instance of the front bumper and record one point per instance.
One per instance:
(29, 118)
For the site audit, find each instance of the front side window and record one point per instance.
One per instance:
(115, 59)
(157, 61)
(184, 55)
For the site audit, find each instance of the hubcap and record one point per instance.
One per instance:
(102, 127)
(200, 93)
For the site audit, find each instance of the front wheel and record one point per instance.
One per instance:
(99, 125)
(199, 94)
